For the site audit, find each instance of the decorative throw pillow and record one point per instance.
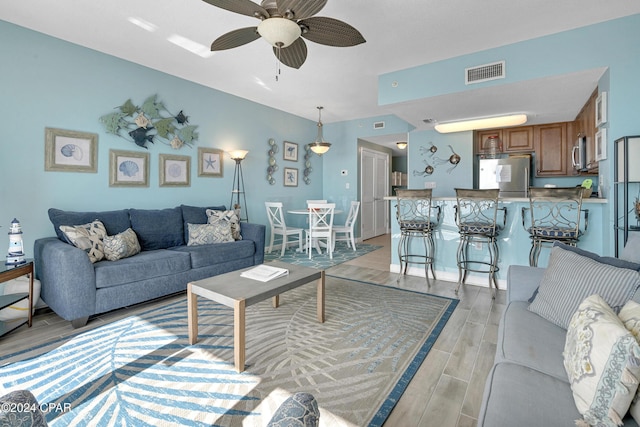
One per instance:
(229, 216)
(602, 360)
(88, 237)
(205, 234)
(570, 278)
(122, 245)
(630, 316)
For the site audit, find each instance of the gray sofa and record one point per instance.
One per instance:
(528, 384)
(75, 288)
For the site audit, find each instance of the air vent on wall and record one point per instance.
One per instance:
(483, 73)
(378, 125)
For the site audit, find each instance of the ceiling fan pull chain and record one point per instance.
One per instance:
(279, 47)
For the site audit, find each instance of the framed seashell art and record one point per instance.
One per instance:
(175, 171)
(128, 169)
(70, 151)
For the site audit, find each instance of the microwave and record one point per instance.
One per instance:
(579, 154)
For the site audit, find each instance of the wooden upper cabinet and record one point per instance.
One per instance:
(482, 135)
(517, 139)
(552, 148)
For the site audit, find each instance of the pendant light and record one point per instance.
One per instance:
(320, 146)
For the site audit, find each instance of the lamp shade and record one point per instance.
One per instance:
(484, 123)
(320, 147)
(279, 32)
(238, 154)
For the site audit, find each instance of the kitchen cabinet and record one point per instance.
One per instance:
(482, 135)
(626, 215)
(552, 149)
(585, 125)
(517, 139)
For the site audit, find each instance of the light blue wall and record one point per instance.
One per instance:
(46, 82)
(612, 44)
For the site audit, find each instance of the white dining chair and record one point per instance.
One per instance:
(279, 226)
(346, 232)
(320, 227)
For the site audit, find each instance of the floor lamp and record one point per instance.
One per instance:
(238, 186)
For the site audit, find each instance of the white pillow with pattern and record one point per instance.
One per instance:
(88, 237)
(227, 216)
(122, 245)
(206, 234)
(602, 360)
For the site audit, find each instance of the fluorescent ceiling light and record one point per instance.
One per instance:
(486, 123)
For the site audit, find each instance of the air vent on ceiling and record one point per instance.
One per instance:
(378, 125)
(483, 73)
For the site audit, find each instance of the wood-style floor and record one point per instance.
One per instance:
(447, 389)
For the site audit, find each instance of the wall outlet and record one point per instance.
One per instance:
(477, 246)
(429, 184)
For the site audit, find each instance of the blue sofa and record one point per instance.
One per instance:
(75, 288)
(528, 384)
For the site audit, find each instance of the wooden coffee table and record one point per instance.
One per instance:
(238, 292)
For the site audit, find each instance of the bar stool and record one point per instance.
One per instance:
(416, 218)
(476, 217)
(555, 215)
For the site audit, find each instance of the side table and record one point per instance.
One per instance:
(9, 272)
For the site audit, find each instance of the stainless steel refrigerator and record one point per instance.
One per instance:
(511, 175)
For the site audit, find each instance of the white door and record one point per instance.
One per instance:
(374, 183)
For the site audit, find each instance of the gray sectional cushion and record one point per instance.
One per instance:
(205, 255)
(158, 229)
(196, 215)
(616, 262)
(530, 340)
(143, 266)
(516, 395)
(631, 251)
(114, 221)
(570, 278)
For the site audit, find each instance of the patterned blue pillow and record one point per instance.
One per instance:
(206, 234)
(122, 245)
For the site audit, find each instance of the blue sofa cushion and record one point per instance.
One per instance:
(217, 253)
(158, 229)
(196, 215)
(114, 221)
(146, 265)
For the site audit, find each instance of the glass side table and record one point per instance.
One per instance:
(9, 272)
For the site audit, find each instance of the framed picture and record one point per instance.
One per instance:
(290, 177)
(601, 144)
(601, 109)
(210, 162)
(175, 171)
(70, 151)
(290, 151)
(128, 169)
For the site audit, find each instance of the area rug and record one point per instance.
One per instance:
(321, 261)
(141, 370)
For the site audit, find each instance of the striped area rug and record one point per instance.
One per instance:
(141, 371)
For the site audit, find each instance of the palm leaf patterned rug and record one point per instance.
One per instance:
(141, 371)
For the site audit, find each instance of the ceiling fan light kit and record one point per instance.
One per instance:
(279, 32)
(284, 23)
(320, 146)
(484, 123)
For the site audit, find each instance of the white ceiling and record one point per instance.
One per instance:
(399, 34)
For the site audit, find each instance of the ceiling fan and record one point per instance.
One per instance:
(282, 24)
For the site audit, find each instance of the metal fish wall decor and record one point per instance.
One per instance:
(150, 122)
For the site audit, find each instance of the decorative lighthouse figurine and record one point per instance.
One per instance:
(16, 248)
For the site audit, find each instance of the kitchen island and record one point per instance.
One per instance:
(514, 242)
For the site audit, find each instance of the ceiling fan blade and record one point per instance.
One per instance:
(293, 55)
(243, 7)
(235, 38)
(330, 32)
(301, 9)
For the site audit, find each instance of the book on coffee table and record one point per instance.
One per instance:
(264, 273)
